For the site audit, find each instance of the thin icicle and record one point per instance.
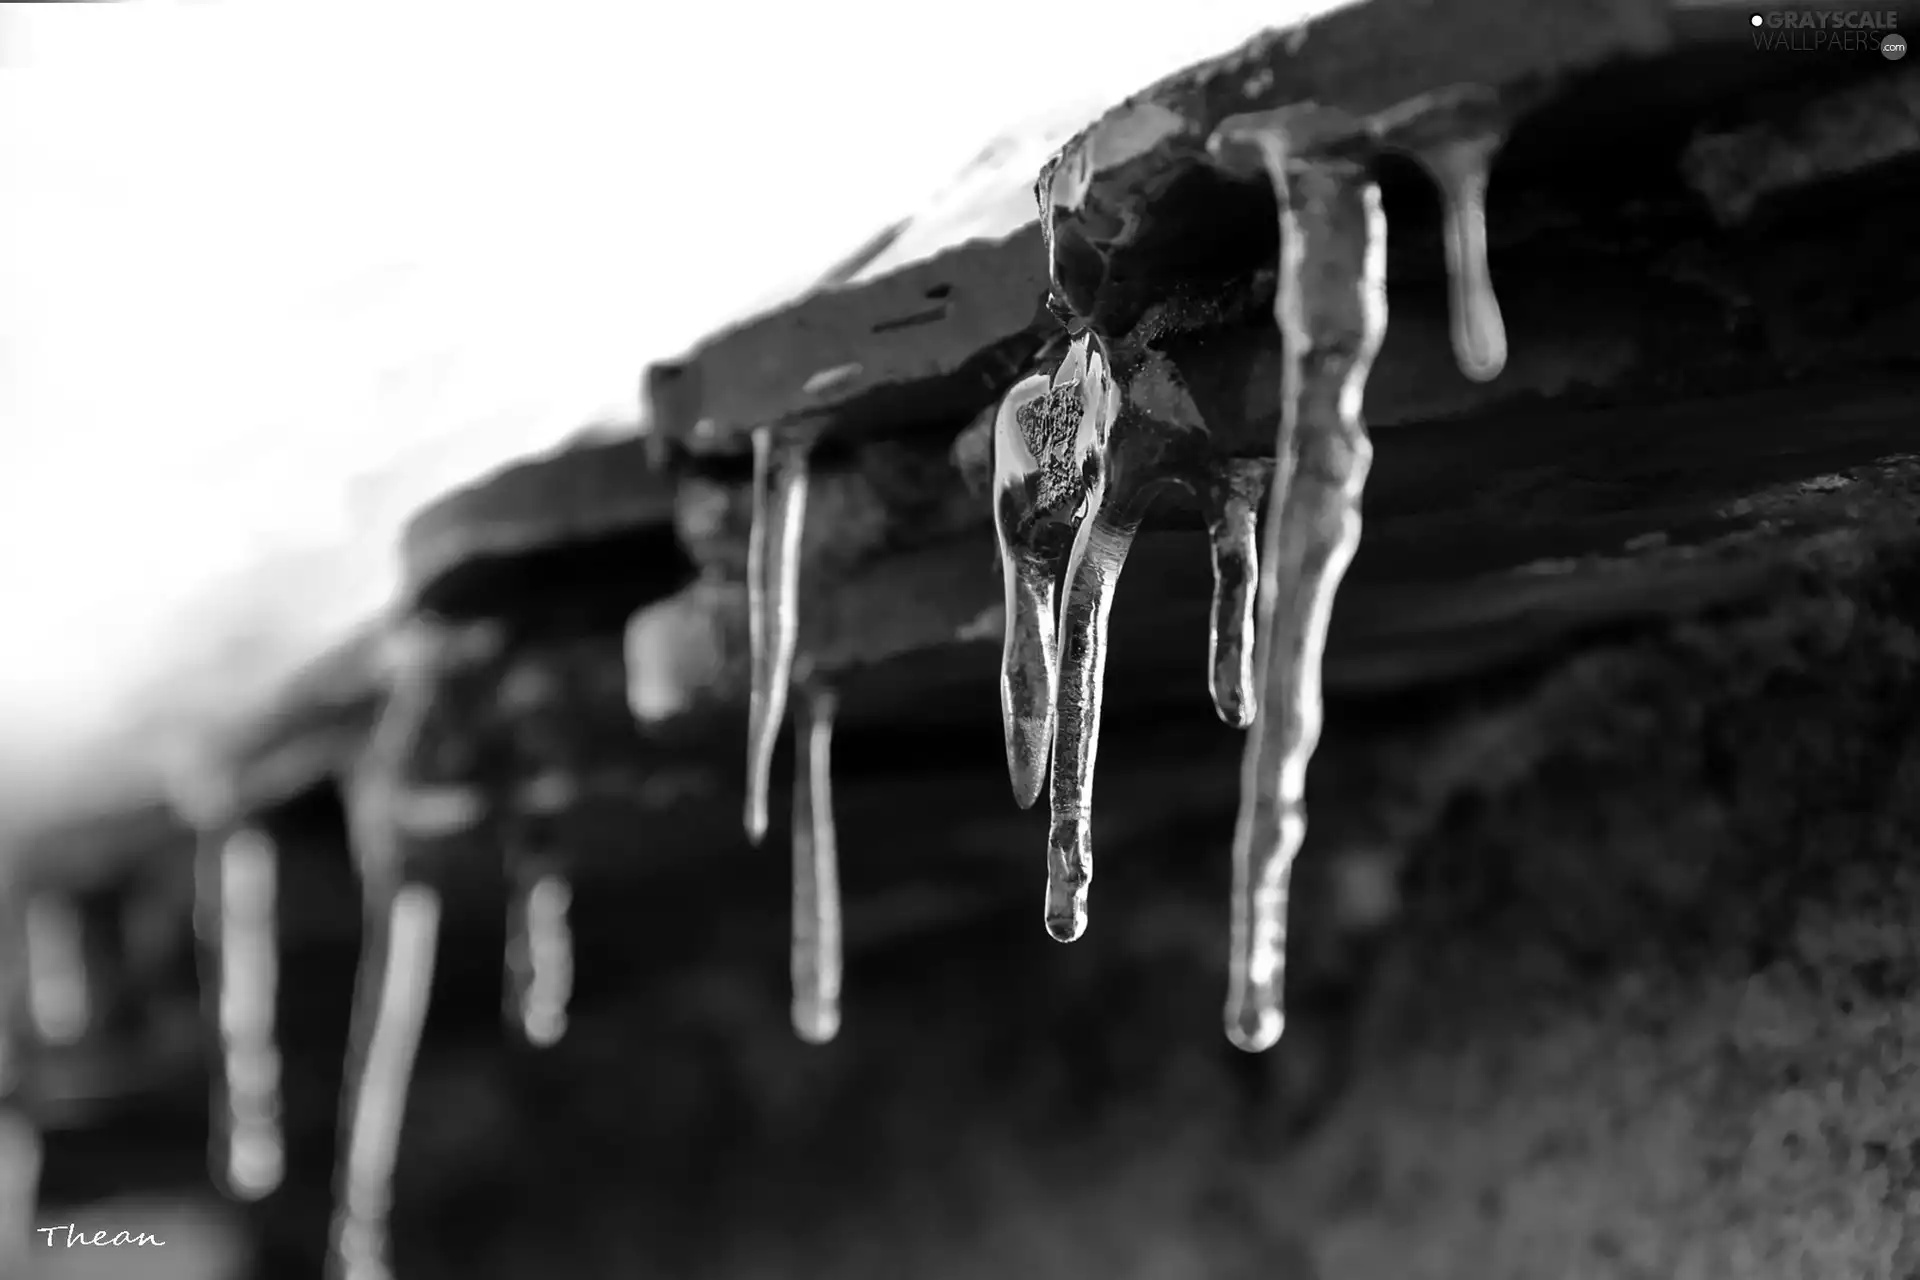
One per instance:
(1454, 134)
(539, 960)
(1169, 438)
(20, 1156)
(1029, 663)
(19, 1137)
(396, 982)
(1461, 167)
(773, 591)
(401, 930)
(59, 992)
(1331, 309)
(254, 1157)
(540, 954)
(816, 958)
(1233, 525)
(1099, 553)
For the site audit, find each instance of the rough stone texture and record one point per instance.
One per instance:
(1854, 128)
(1128, 193)
(937, 338)
(930, 315)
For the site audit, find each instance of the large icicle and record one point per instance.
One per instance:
(1110, 517)
(773, 590)
(1049, 434)
(1052, 467)
(816, 958)
(1029, 663)
(1099, 553)
(1138, 433)
(1332, 312)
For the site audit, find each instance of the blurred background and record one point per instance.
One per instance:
(272, 276)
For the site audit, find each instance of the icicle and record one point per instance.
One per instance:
(1099, 552)
(1111, 508)
(1046, 434)
(15, 984)
(1029, 664)
(1454, 134)
(235, 921)
(1233, 524)
(816, 960)
(59, 992)
(1169, 439)
(539, 962)
(773, 587)
(401, 929)
(19, 1137)
(253, 1159)
(20, 1155)
(540, 954)
(396, 981)
(1461, 169)
(1331, 309)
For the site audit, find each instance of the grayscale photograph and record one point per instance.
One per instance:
(568, 572)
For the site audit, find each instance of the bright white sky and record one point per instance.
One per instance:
(273, 273)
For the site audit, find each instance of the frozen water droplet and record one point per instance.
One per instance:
(249, 953)
(816, 959)
(540, 952)
(1461, 167)
(1331, 310)
(773, 590)
(391, 997)
(1233, 524)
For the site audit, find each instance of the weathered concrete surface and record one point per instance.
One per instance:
(931, 315)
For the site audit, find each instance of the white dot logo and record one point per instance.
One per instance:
(1894, 47)
(1756, 20)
